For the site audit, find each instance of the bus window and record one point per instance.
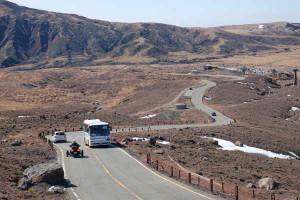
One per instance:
(99, 130)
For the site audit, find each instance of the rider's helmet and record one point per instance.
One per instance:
(74, 140)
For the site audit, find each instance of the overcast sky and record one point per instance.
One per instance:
(187, 13)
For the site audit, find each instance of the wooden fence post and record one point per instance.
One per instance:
(190, 178)
(172, 171)
(179, 173)
(236, 192)
(272, 196)
(211, 185)
(198, 181)
(156, 164)
(223, 187)
(253, 193)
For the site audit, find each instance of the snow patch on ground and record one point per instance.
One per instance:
(294, 109)
(229, 146)
(208, 98)
(24, 116)
(163, 142)
(148, 116)
(293, 154)
(147, 139)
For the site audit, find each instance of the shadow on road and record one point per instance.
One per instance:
(111, 146)
(68, 184)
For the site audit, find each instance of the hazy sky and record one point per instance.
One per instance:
(188, 13)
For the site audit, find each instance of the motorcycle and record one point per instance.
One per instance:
(75, 152)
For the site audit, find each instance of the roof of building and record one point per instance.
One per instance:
(92, 122)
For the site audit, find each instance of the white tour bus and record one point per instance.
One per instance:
(96, 132)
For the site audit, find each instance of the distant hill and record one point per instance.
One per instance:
(31, 36)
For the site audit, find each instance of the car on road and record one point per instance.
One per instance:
(59, 136)
(213, 114)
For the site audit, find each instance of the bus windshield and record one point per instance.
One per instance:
(99, 130)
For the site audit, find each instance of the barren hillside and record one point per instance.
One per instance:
(30, 36)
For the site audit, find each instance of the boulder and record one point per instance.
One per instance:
(239, 144)
(16, 143)
(152, 141)
(268, 184)
(127, 139)
(250, 185)
(56, 190)
(24, 183)
(51, 173)
(211, 141)
(159, 151)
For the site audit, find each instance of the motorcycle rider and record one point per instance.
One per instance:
(74, 145)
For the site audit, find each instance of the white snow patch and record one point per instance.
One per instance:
(147, 139)
(208, 98)
(294, 109)
(229, 146)
(293, 154)
(24, 116)
(139, 139)
(163, 142)
(231, 69)
(242, 83)
(288, 95)
(148, 116)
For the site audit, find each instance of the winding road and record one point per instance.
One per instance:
(111, 173)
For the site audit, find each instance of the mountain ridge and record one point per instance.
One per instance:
(29, 35)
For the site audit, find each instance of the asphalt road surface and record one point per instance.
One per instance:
(197, 100)
(110, 173)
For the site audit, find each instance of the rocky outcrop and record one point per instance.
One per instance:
(152, 141)
(56, 190)
(268, 184)
(51, 173)
(24, 183)
(251, 185)
(16, 143)
(239, 144)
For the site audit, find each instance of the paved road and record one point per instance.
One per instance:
(197, 99)
(111, 173)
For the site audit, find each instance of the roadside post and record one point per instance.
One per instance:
(211, 185)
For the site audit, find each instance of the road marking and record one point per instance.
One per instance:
(182, 187)
(116, 180)
(65, 172)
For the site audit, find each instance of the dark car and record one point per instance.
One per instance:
(214, 114)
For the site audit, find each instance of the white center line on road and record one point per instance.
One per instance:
(182, 187)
